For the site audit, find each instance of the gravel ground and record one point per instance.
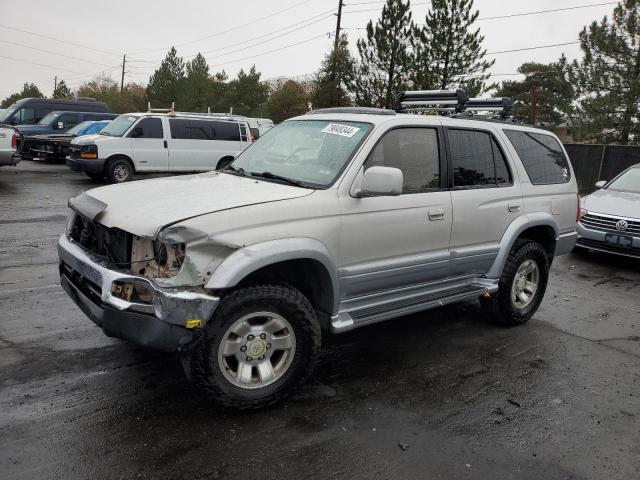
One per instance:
(434, 395)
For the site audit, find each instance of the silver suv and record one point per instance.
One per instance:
(332, 221)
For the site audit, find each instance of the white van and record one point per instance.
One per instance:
(159, 142)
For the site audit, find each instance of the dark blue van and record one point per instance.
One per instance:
(28, 111)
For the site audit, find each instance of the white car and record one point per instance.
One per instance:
(9, 138)
(159, 142)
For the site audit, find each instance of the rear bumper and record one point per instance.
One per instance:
(159, 324)
(565, 243)
(94, 166)
(595, 240)
(9, 158)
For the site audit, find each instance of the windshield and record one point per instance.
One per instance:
(78, 128)
(48, 118)
(7, 113)
(310, 151)
(629, 181)
(119, 126)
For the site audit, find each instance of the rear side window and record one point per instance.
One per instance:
(542, 157)
(476, 159)
(179, 129)
(414, 151)
(200, 130)
(255, 132)
(229, 131)
(151, 128)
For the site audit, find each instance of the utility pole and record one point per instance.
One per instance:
(124, 60)
(336, 40)
(55, 84)
(533, 102)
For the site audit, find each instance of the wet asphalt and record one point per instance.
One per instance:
(436, 395)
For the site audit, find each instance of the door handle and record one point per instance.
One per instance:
(166, 145)
(514, 206)
(436, 214)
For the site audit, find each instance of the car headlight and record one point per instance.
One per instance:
(89, 151)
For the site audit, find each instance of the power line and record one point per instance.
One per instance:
(377, 9)
(532, 48)
(326, 34)
(39, 64)
(57, 40)
(521, 14)
(225, 31)
(52, 53)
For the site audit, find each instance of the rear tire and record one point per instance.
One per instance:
(119, 170)
(522, 285)
(261, 343)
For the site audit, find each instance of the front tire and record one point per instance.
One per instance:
(261, 343)
(521, 286)
(119, 170)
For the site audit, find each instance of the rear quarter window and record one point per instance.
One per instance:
(542, 157)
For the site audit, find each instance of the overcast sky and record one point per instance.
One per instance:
(225, 32)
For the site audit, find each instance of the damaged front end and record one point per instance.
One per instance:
(149, 291)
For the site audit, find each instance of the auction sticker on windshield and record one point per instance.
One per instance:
(342, 130)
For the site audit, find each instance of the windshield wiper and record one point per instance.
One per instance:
(273, 176)
(234, 170)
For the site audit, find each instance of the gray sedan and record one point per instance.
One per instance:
(610, 216)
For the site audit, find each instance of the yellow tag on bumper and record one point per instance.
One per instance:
(193, 323)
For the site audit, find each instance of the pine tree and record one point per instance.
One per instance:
(29, 90)
(167, 81)
(247, 93)
(553, 92)
(61, 90)
(381, 71)
(336, 71)
(193, 96)
(607, 79)
(447, 52)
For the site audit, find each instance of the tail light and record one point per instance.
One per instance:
(578, 208)
(14, 141)
(251, 139)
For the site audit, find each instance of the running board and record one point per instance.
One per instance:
(367, 311)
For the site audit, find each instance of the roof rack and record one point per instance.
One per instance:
(454, 103)
(442, 100)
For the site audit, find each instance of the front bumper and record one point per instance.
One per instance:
(595, 240)
(160, 324)
(94, 166)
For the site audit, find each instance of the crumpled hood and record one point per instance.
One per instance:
(145, 207)
(610, 202)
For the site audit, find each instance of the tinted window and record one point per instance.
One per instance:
(151, 128)
(68, 120)
(227, 131)
(476, 159)
(412, 150)
(25, 115)
(542, 156)
(200, 130)
(255, 132)
(179, 128)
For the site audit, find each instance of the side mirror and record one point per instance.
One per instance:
(381, 181)
(60, 126)
(600, 184)
(137, 132)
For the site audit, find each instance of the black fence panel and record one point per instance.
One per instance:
(600, 162)
(586, 164)
(617, 159)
